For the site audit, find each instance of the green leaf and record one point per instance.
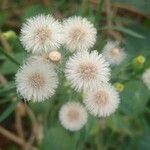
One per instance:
(138, 5)
(57, 138)
(136, 46)
(129, 32)
(120, 123)
(134, 98)
(144, 140)
(7, 89)
(125, 30)
(40, 107)
(8, 111)
(8, 67)
(8, 56)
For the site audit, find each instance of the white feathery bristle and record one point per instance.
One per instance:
(103, 101)
(36, 81)
(146, 78)
(87, 70)
(41, 33)
(79, 34)
(113, 53)
(73, 116)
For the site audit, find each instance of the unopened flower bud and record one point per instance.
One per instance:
(55, 56)
(119, 86)
(9, 35)
(138, 62)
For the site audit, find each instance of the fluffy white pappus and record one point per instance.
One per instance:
(113, 53)
(87, 70)
(103, 101)
(41, 33)
(44, 59)
(36, 81)
(146, 78)
(79, 34)
(73, 116)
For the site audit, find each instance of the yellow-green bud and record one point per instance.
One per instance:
(119, 86)
(9, 35)
(138, 62)
(140, 59)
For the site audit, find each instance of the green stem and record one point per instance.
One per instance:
(9, 57)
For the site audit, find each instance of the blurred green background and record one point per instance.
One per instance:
(36, 125)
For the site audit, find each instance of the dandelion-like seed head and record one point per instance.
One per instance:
(101, 97)
(41, 34)
(103, 101)
(73, 116)
(79, 34)
(113, 53)
(87, 70)
(36, 81)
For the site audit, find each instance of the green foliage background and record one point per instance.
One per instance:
(128, 128)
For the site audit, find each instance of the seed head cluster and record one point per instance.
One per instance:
(49, 41)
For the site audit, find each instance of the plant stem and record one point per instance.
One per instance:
(9, 57)
(99, 11)
(13, 137)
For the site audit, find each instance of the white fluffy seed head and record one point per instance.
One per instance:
(38, 59)
(87, 70)
(103, 101)
(113, 53)
(41, 34)
(79, 34)
(73, 116)
(36, 81)
(146, 78)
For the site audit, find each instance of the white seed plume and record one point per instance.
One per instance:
(113, 53)
(103, 101)
(79, 34)
(41, 34)
(73, 116)
(87, 70)
(36, 81)
(146, 78)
